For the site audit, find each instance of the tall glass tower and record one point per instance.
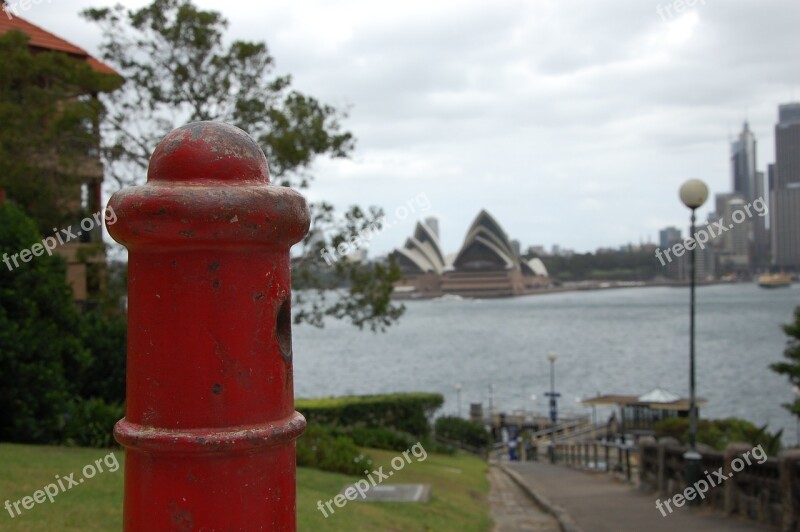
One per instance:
(743, 165)
(786, 189)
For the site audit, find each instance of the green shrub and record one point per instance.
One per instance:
(718, 433)
(41, 354)
(379, 438)
(90, 422)
(321, 448)
(408, 412)
(466, 432)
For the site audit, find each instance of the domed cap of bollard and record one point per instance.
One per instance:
(208, 151)
(208, 186)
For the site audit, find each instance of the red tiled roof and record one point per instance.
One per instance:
(44, 40)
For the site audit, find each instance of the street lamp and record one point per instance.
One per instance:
(553, 407)
(796, 391)
(693, 194)
(458, 394)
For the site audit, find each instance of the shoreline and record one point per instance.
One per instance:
(578, 286)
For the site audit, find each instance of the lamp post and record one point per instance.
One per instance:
(796, 390)
(458, 400)
(693, 194)
(553, 406)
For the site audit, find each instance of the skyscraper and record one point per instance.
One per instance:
(760, 249)
(743, 164)
(786, 189)
(669, 236)
(433, 224)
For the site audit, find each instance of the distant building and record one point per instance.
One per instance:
(422, 263)
(705, 256)
(785, 204)
(85, 259)
(743, 164)
(668, 236)
(486, 265)
(760, 245)
(538, 251)
(433, 223)
(732, 248)
(422, 252)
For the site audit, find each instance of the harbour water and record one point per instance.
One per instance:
(625, 341)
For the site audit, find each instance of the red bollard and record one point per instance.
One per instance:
(210, 425)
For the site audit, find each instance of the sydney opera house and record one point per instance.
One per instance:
(487, 265)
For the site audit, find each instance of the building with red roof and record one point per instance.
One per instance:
(42, 40)
(85, 258)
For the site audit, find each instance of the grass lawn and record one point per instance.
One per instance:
(458, 496)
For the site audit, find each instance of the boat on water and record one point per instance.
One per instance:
(774, 280)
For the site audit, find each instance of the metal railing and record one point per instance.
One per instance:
(593, 455)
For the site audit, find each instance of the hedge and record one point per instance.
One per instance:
(404, 412)
(468, 433)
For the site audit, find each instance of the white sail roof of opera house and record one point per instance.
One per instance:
(537, 267)
(422, 251)
(486, 246)
(658, 395)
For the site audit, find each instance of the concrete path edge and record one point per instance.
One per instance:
(564, 520)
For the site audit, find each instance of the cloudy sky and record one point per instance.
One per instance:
(574, 122)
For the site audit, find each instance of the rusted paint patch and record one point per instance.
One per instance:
(181, 518)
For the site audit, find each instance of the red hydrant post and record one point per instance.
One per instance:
(210, 426)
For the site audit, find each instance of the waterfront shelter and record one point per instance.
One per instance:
(638, 414)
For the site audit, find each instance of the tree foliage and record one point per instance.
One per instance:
(41, 353)
(791, 368)
(47, 118)
(62, 375)
(604, 266)
(178, 69)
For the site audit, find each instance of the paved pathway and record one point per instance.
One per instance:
(513, 509)
(596, 503)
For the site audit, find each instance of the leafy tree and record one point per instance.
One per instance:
(627, 265)
(178, 69)
(41, 354)
(791, 368)
(47, 118)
